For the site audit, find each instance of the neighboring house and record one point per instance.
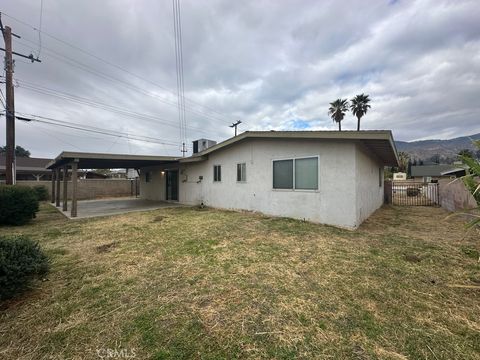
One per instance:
(428, 173)
(328, 177)
(28, 168)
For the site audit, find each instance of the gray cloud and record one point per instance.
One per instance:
(274, 65)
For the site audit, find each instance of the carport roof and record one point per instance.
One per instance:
(108, 161)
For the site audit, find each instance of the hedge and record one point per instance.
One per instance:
(18, 204)
(21, 261)
(41, 192)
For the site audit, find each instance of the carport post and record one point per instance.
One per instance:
(57, 193)
(53, 185)
(74, 189)
(65, 190)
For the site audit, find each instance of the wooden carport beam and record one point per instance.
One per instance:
(53, 185)
(74, 188)
(57, 193)
(65, 190)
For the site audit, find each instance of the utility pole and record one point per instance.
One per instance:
(10, 171)
(234, 125)
(184, 149)
(10, 109)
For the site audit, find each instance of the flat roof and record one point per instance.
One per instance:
(380, 142)
(431, 170)
(108, 161)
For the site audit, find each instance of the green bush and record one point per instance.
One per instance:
(18, 204)
(41, 192)
(21, 261)
(412, 191)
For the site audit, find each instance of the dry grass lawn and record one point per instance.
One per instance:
(210, 284)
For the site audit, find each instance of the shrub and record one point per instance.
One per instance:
(21, 261)
(412, 191)
(18, 204)
(41, 192)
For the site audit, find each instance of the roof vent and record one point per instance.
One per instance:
(202, 144)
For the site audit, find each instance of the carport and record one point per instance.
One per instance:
(73, 161)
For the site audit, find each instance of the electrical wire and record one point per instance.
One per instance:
(92, 129)
(40, 29)
(74, 63)
(110, 63)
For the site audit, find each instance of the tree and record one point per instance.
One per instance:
(337, 111)
(403, 160)
(359, 106)
(471, 179)
(19, 151)
(465, 152)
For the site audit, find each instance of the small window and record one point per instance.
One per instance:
(217, 173)
(283, 174)
(148, 176)
(306, 174)
(380, 176)
(242, 172)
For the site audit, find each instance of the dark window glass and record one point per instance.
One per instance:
(283, 174)
(217, 173)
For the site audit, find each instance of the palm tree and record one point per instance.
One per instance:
(359, 106)
(337, 111)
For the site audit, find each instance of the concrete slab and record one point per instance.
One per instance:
(105, 207)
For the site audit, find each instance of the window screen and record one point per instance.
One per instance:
(283, 174)
(380, 175)
(148, 176)
(306, 173)
(217, 173)
(242, 172)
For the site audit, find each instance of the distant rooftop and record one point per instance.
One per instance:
(434, 170)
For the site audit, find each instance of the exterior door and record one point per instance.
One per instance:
(172, 185)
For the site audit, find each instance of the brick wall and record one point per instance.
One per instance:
(92, 188)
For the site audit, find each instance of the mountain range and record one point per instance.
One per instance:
(446, 150)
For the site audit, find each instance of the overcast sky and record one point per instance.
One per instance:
(270, 64)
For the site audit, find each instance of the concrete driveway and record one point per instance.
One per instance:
(104, 207)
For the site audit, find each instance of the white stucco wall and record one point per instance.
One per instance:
(369, 191)
(334, 203)
(156, 188)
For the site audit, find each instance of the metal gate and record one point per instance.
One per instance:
(414, 193)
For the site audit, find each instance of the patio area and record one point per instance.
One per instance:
(105, 207)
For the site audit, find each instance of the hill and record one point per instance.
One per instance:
(447, 150)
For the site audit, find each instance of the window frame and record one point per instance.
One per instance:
(148, 176)
(293, 158)
(381, 171)
(244, 173)
(217, 177)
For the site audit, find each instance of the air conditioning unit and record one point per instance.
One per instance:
(202, 144)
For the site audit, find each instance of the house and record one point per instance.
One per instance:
(429, 173)
(330, 177)
(28, 168)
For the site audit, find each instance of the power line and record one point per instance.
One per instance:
(93, 71)
(177, 30)
(76, 126)
(99, 105)
(40, 29)
(110, 63)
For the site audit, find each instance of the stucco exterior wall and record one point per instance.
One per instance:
(333, 203)
(369, 185)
